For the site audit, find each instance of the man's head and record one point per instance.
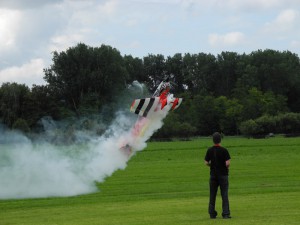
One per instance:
(217, 138)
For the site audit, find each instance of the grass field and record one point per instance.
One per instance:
(167, 184)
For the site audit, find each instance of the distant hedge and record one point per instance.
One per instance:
(287, 123)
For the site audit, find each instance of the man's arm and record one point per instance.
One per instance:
(227, 163)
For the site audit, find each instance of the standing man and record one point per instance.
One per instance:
(218, 159)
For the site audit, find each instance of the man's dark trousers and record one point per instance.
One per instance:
(214, 183)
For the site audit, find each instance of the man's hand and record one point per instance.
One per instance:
(227, 163)
(207, 163)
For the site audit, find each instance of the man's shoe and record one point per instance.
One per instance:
(214, 215)
(227, 217)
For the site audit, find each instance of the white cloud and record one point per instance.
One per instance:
(85, 22)
(91, 13)
(287, 20)
(62, 42)
(109, 7)
(229, 39)
(25, 4)
(295, 44)
(29, 73)
(134, 44)
(9, 24)
(131, 22)
(255, 5)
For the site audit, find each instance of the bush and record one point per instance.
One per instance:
(185, 130)
(250, 128)
(267, 124)
(21, 124)
(289, 123)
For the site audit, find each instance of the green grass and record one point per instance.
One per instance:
(167, 184)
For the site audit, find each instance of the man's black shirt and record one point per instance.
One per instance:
(217, 155)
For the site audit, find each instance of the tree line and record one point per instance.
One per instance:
(232, 93)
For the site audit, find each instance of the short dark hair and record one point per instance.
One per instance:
(216, 138)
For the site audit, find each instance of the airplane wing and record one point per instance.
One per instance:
(176, 103)
(144, 106)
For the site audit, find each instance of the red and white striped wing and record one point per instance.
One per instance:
(144, 106)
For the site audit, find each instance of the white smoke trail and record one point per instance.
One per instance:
(30, 170)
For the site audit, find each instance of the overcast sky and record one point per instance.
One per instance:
(30, 30)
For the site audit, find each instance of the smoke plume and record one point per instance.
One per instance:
(37, 168)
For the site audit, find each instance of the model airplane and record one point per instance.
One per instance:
(146, 108)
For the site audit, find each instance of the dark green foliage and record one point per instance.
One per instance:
(174, 127)
(84, 73)
(155, 70)
(13, 99)
(135, 69)
(200, 72)
(288, 123)
(250, 128)
(257, 103)
(21, 124)
(174, 66)
(219, 92)
(268, 124)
